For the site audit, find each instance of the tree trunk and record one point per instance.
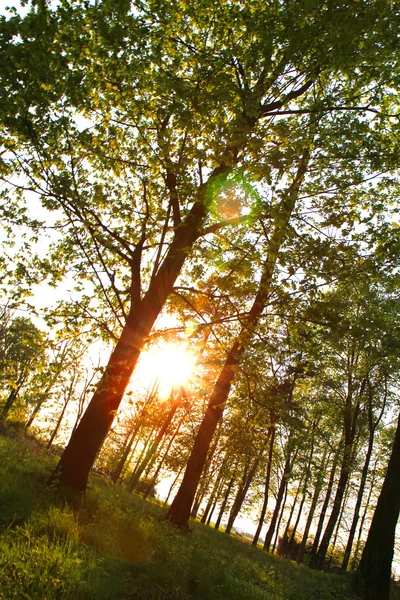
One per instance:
(150, 454)
(374, 570)
(285, 537)
(357, 507)
(57, 427)
(224, 502)
(66, 402)
(36, 410)
(9, 402)
(214, 492)
(204, 479)
(279, 520)
(286, 471)
(115, 475)
(172, 486)
(356, 554)
(337, 503)
(241, 495)
(180, 509)
(314, 502)
(214, 505)
(266, 488)
(87, 439)
(324, 508)
(339, 521)
(160, 464)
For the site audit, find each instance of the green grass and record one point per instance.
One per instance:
(117, 546)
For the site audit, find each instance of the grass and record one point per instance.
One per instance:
(119, 547)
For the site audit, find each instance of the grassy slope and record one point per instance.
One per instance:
(117, 546)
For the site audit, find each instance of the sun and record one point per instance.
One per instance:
(171, 364)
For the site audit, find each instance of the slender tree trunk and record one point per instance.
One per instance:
(279, 520)
(214, 492)
(286, 471)
(338, 524)
(372, 428)
(285, 537)
(198, 500)
(314, 502)
(173, 485)
(150, 454)
(180, 509)
(217, 497)
(357, 507)
(324, 509)
(160, 464)
(241, 495)
(224, 503)
(266, 488)
(58, 424)
(36, 411)
(374, 570)
(337, 503)
(295, 526)
(356, 554)
(9, 403)
(60, 418)
(143, 451)
(203, 484)
(115, 475)
(86, 441)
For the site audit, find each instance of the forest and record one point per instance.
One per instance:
(199, 299)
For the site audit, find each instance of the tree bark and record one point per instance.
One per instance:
(286, 471)
(357, 507)
(374, 570)
(314, 501)
(324, 508)
(241, 495)
(172, 486)
(164, 456)
(217, 496)
(224, 502)
(356, 555)
(150, 454)
(349, 431)
(204, 480)
(372, 429)
(214, 492)
(279, 520)
(180, 509)
(266, 488)
(86, 441)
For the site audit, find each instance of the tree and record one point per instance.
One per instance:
(131, 117)
(22, 354)
(374, 571)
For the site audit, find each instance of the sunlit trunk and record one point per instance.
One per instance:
(86, 441)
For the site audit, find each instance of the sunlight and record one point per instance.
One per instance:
(170, 363)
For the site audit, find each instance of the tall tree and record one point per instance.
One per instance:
(374, 571)
(130, 118)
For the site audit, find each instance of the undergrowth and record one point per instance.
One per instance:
(117, 546)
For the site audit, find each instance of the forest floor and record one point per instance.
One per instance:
(118, 546)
